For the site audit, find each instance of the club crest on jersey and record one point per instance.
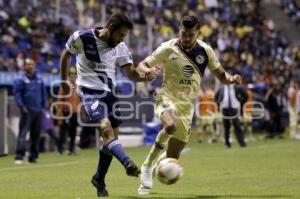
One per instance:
(188, 70)
(200, 59)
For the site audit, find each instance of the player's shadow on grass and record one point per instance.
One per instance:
(185, 196)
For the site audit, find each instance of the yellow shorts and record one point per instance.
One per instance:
(184, 122)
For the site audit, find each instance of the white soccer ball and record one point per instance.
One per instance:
(168, 171)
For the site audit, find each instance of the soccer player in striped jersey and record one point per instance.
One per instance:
(184, 61)
(98, 52)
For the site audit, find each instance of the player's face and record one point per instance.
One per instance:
(117, 36)
(29, 66)
(188, 37)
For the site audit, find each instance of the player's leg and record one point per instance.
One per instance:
(226, 123)
(175, 146)
(24, 126)
(238, 132)
(170, 123)
(293, 122)
(98, 180)
(35, 132)
(72, 133)
(106, 158)
(111, 147)
(111, 144)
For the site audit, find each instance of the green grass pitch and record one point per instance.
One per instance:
(262, 170)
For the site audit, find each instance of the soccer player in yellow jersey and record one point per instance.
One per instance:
(183, 61)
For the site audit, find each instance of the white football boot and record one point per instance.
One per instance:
(146, 177)
(143, 191)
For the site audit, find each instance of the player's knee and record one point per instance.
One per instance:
(171, 127)
(106, 130)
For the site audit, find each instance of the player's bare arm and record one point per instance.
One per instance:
(133, 74)
(225, 77)
(64, 64)
(144, 70)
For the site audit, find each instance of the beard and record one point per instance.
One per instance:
(111, 43)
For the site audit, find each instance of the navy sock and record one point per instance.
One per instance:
(105, 158)
(117, 150)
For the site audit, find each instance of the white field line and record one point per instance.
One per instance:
(21, 167)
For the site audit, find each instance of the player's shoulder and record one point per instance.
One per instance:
(205, 45)
(169, 43)
(81, 34)
(122, 48)
(122, 45)
(84, 33)
(167, 46)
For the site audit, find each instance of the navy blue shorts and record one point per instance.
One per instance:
(100, 104)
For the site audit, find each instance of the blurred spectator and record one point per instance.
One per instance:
(48, 127)
(68, 107)
(248, 113)
(207, 115)
(31, 98)
(230, 99)
(275, 105)
(292, 8)
(293, 93)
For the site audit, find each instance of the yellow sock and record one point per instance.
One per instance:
(160, 142)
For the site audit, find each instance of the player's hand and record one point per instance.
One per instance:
(152, 74)
(236, 79)
(66, 86)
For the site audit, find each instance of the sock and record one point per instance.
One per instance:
(105, 158)
(160, 142)
(161, 157)
(117, 150)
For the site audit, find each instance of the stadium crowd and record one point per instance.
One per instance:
(292, 8)
(242, 36)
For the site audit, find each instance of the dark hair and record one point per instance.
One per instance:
(190, 22)
(119, 19)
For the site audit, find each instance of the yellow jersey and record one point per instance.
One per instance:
(182, 73)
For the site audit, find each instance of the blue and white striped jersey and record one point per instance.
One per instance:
(96, 62)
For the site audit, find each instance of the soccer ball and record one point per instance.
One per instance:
(168, 171)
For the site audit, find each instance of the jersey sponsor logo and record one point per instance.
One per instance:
(100, 66)
(95, 105)
(188, 70)
(92, 52)
(200, 59)
(186, 82)
(90, 49)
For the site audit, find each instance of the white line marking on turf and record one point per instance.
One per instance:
(275, 145)
(20, 167)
